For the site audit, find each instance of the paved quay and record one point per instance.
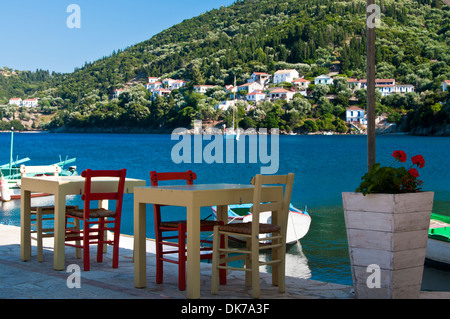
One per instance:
(34, 280)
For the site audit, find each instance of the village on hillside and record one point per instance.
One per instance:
(262, 86)
(283, 85)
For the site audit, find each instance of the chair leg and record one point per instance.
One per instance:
(215, 261)
(116, 244)
(159, 255)
(255, 268)
(182, 256)
(223, 272)
(77, 242)
(282, 269)
(40, 249)
(101, 226)
(86, 247)
(248, 264)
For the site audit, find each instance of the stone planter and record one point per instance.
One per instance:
(387, 233)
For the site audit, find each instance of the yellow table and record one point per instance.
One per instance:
(192, 197)
(60, 186)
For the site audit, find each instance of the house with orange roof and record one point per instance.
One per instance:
(445, 85)
(151, 86)
(256, 96)
(262, 78)
(160, 92)
(16, 101)
(301, 84)
(281, 94)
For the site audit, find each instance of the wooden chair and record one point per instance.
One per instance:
(100, 217)
(178, 231)
(39, 214)
(273, 233)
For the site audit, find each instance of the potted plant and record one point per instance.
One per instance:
(387, 221)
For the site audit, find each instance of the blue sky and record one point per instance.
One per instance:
(34, 33)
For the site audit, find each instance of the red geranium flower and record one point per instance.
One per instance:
(393, 180)
(400, 155)
(418, 160)
(413, 172)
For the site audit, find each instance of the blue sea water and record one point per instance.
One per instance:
(324, 167)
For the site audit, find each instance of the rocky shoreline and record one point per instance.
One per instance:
(443, 131)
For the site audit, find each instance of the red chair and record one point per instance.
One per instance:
(179, 227)
(97, 216)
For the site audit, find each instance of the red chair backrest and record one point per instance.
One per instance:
(188, 176)
(89, 196)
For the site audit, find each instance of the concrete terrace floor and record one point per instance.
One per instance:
(34, 280)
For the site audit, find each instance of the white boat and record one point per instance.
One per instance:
(438, 245)
(298, 221)
(11, 177)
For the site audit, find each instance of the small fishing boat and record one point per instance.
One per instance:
(438, 246)
(10, 176)
(10, 184)
(298, 220)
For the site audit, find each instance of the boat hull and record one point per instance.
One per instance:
(438, 252)
(15, 193)
(438, 245)
(298, 222)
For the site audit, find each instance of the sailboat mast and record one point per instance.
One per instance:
(235, 92)
(11, 151)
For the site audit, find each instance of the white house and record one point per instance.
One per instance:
(16, 101)
(386, 89)
(354, 114)
(224, 105)
(160, 92)
(151, 86)
(404, 88)
(30, 102)
(445, 85)
(117, 92)
(301, 84)
(384, 82)
(260, 77)
(153, 79)
(202, 88)
(250, 87)
(323, 79)
(178, 84)
(281, 93)
(354, 84)
(256, 96)
(285, 76)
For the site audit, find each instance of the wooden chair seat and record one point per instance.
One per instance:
(175, 223)
(246, 228)
(49, 209)
(93, 213)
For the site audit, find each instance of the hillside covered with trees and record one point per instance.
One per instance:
(249, 36)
